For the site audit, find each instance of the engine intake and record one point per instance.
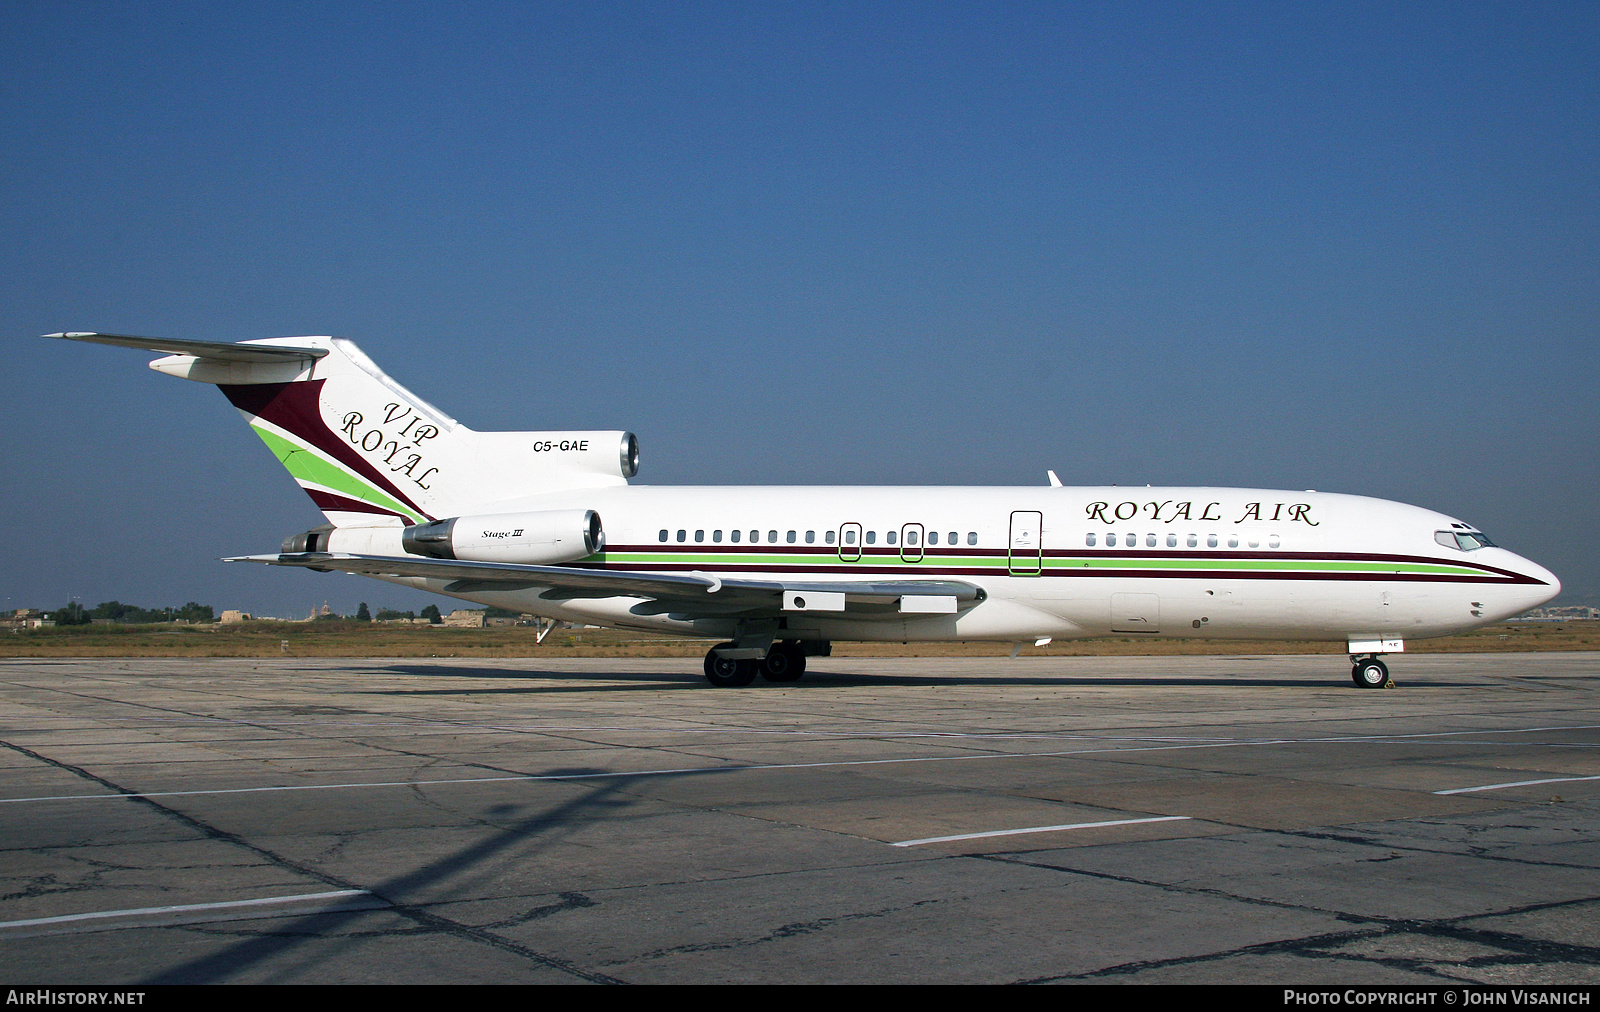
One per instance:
(544, 538)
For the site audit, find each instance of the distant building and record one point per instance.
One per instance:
(463, 618)
(1561, 613)
(26, 618)
(233, 616)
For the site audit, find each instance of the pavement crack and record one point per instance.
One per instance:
(569, 901)
(1174, 887)
(790, 930)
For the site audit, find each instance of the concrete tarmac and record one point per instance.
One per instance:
(1117, 819)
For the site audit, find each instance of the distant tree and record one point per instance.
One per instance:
(71, 613)
(329, 616)
(431, 613)
(113, 610)
(389, 614)
(362, 614)
(194, 611)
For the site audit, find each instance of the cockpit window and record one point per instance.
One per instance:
(1466, 541)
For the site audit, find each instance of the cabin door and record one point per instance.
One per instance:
(1026, 556)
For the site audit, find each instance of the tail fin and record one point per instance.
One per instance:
(366, 449)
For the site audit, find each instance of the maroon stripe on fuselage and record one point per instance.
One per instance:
(297, 408)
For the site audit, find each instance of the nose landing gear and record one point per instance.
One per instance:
(1370, 673)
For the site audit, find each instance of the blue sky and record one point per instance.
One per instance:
(1347, 247)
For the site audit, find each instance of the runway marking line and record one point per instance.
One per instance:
(1518, 783)
(184, 908)
(1039, 829)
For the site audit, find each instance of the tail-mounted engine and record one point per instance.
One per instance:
(314, 540)
(545, 538)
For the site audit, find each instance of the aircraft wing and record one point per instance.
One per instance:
(689, 594)
(217, 351)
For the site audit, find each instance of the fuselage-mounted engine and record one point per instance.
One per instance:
(543, 538)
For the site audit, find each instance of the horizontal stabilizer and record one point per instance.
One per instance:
(217, 351)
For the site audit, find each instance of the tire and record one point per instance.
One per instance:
(783, 663)
(1370, 674)
(726, 673)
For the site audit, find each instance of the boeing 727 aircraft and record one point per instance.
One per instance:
(546, 523)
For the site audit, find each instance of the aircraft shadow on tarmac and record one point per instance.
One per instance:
(645, 681)
(520, 839)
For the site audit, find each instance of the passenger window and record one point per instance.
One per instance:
(1149, 540)
(933, 537)
(755, 536)
(972, 537)
(1172, 541)
(811, 537)
(1089, 539)
(1211, 541)
(1233, 541)
(1255, 542)
(716, 536)
(663, 535)
(772, 537)
(956, 541)
(1272, 541)
(789, 537)
(911, 537)
(734, 536)
(1111, 541)
(829, 537)
(872, 537)
(850, 537)
(1193, 541)
(699, 535)
(891, 537)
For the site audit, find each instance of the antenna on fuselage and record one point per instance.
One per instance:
(1054, 481)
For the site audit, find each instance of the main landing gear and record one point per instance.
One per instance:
(1370, 673)
(785, 662)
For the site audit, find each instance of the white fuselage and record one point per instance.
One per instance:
(1057, 561)
(403, 483)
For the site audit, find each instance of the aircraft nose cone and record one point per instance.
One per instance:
(1552, 580)
(1540, 594)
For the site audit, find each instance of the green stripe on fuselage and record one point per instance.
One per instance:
(1264, 565)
